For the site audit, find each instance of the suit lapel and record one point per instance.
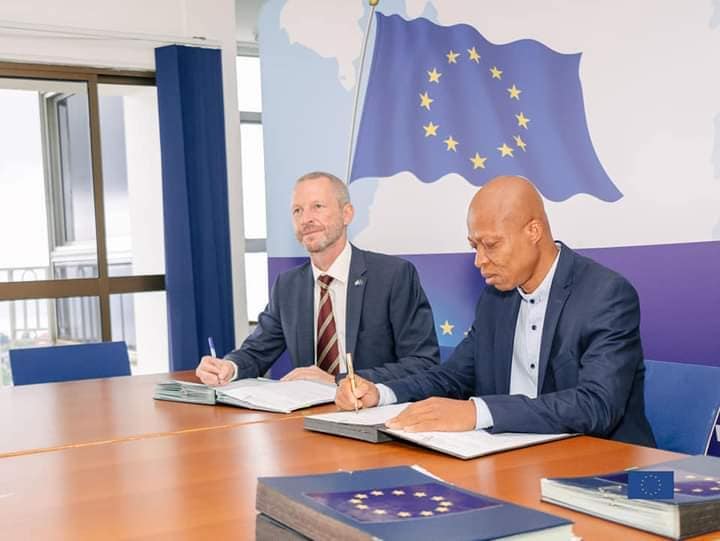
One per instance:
(305, 332)
(505, 340)
(559, 293)
(357, 282)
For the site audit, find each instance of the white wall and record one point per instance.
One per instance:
(124, 35)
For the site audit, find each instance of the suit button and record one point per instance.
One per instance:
(534, 327)
(532, 366)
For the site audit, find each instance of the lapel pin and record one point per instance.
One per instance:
(359, 282)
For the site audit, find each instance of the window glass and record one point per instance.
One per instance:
(132, 179)
(248, 83)
(253, 175)
(47, 223)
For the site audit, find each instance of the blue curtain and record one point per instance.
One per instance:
(195, 201)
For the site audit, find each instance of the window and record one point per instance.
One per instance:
(80, 211)
(253, 179)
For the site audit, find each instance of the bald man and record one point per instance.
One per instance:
(555, 345)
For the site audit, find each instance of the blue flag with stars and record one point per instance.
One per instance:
(651, 485)
(445, 100)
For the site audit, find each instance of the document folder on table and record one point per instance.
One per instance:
(369, 425)
(392, 503)
(256, 393)
(692, 509)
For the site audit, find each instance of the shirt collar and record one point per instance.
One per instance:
(340, 268)
(542, 291)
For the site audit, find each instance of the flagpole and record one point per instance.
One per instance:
(373, 4)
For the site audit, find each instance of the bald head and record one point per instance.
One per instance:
(509, 199)
(509, 230)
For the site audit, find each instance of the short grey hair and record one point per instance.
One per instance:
(341, 190)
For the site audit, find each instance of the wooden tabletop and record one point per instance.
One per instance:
(37, 418)
(201, 485)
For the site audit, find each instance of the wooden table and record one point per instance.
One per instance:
(51, 416)
(201, 485)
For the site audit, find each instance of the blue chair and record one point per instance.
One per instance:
(680, 402)
(64, 363)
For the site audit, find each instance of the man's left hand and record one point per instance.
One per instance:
(436, 414)
(312, 373)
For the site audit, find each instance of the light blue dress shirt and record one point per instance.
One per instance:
(526, 350)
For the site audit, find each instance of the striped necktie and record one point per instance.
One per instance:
(328, 352)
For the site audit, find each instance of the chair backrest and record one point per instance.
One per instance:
(64, 363)
(680, 402)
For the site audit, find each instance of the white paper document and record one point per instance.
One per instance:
(470, 444)
(364, 417)
(278, 396)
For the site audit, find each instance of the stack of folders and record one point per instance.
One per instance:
(692, 509)
(256, 393)
(392, 503)
(369, 425)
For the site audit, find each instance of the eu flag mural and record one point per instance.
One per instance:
(445, 100)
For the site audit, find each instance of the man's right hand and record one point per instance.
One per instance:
(366, 394)
(212, 371)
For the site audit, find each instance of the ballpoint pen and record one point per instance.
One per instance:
(351, 375)
(211, 345)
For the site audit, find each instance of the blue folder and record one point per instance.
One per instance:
(394, 503)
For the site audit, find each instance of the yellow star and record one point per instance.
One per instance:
(425, 100)
(360, 496)
(434, 76)
(446, 503)
(474, 56)
(355, 500)
(404, 514)
(437, 498)
(519, 142)
(505, 150)
(442, 509)
(377, 493)
(361, 506)
(522, 120)
(426, 513)
(451, 143)
(514, 92)
(419, 494)
(398, 492)
(447, 328)
(379, 511)
(430, 129)
(496, 73)
(452, 57)
(478, 161)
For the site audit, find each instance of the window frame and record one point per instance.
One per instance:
(103, 286)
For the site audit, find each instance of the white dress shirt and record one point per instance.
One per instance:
(340, 272)
(526, 350)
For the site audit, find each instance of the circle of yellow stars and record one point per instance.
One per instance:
(436, 504)
(451, 144)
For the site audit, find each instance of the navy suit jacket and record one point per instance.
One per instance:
(591, 368)
(389, 322)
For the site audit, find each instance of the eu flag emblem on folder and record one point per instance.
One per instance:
(445, 100)
(651, 485)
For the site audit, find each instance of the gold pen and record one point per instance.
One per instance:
(351, 375)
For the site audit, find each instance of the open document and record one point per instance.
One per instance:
(254, 393)
(369, 425)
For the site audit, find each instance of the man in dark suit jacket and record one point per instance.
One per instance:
(379, 310)
(555, 346)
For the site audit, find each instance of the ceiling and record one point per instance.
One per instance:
(246, 15)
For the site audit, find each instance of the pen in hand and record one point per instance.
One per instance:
(351, 375)
(211, 345)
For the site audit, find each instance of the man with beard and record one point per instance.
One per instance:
(555, 345)
(344, 300)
